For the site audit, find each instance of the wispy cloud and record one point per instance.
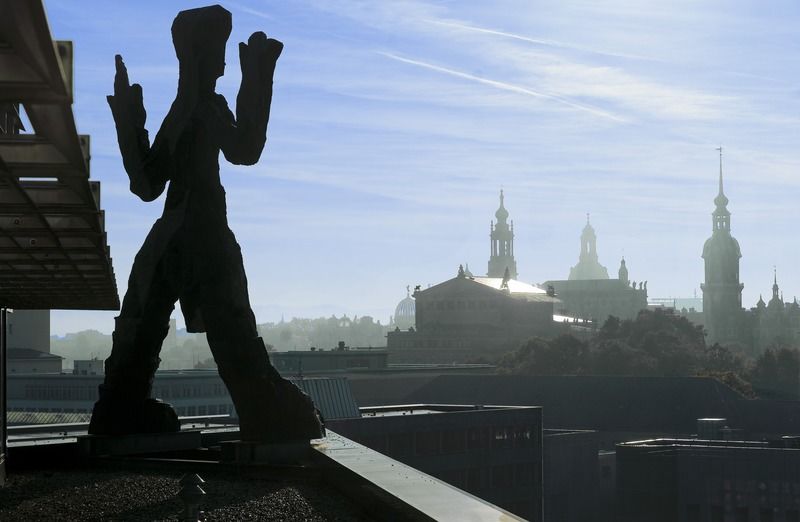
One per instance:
(507, 87)
(249, 10)
(537, 41)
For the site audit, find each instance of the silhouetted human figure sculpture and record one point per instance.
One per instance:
(190, 253)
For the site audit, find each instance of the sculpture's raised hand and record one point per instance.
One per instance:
(126, 102)
(257, 58)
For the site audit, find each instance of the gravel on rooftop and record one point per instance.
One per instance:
(108, 494)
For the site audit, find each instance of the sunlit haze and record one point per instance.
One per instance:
(394, 126)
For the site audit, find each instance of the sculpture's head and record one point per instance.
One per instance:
(199, 36)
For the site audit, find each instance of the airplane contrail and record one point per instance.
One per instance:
(506, 86)
(537, 41)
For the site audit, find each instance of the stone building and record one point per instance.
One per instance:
(722, 291)
(468, 318)
(725, 321)
(693, 480)
(590, 294)
(776, 323)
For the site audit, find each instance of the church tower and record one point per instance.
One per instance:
(588, 266)
(722, 291)
(502, 244)
(623, 272)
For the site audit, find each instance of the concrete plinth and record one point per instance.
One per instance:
(102, 445)
(246, 452)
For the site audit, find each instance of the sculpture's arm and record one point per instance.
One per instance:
(243, 141)
(148, 168)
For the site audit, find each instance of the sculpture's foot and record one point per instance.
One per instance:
(289, 416)
(118, 417)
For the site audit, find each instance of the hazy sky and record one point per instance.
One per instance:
(395, 124)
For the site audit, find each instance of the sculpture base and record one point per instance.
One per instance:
(250, 452)
(139, 443)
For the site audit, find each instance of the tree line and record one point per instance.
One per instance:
(659, 343)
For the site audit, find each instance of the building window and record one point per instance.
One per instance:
(742, 514)
(502, 476)
(524, 474)
(792, 515)
(766, 515)
(693, 513)
(522, 437)
(474, 479)
(399, 444)
(454, 441)
(501, 437)
(477, 438)
(427, 443)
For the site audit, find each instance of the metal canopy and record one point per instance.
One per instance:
(53, 248)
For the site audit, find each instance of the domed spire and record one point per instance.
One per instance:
(405, 312)
(502, 213)
(588, 266)
(501, 237)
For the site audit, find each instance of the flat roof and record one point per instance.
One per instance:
(427, 409)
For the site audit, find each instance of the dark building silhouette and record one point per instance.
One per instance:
(722, 291)
(776, 323)
(679, 480)
(502, 244)
(493, 452)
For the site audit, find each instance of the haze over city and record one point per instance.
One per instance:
(395, 124)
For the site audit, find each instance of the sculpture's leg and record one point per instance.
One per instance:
(270, 408)
(124, 404)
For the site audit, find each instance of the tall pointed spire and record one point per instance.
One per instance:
(722, 291)
(775, 287)
(721, 216)
(721, 201)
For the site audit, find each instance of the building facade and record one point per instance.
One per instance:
(774, 324)
(692, 480)
(492, 452)
(470, 318)
(590, 294)
(190, 392)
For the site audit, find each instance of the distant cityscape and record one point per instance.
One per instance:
(483, 397)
